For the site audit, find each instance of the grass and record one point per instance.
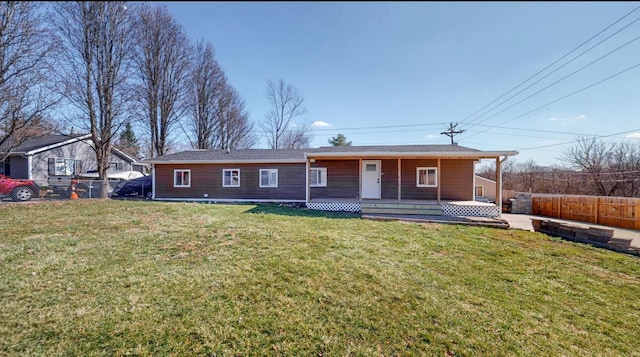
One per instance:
(119, 278)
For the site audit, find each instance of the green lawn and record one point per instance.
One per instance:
(147, 278)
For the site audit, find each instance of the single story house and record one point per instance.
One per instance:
(43, 157)
(422, 179)
(485, 189)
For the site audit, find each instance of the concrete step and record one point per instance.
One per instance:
(391, 210)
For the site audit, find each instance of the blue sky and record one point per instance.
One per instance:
(398, 73)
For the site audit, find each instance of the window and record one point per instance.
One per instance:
(115, 166)
(318, 177)
(479, 191)
(231, 178)
(59, 166)
(269, 178)
(427, 177)
(181, 178)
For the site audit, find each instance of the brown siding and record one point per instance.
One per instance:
(389, 179)
(207, 179)
(457, 180)
(343, 179)
(410, 191)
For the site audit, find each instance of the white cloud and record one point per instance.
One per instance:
(432, 136)
(633, 136)
(320, 124)
(566, 120)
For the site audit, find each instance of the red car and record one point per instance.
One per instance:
(18, 189)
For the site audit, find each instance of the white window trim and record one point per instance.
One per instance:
(224, 171)
(272, 185)
(321, 169)
(175, 171)
(418, 169)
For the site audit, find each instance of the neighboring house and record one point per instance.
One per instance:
(412, 178)
(485, 189)
(39, 158)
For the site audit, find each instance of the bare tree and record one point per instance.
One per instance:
(233, 130)
(25, 49)
(219, 119)
(162, 61)
(97, 42)
(206, 82)
(280, 126)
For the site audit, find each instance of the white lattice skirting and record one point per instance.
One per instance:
(471, 211)
(335, 206)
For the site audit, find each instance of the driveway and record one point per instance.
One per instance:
(523, 221)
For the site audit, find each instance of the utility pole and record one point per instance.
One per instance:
(451, 132)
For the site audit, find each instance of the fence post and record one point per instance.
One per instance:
(559, 208)
(597, 209)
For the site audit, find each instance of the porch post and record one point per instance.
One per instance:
(360, 179)
(399, 180)
(307, 189)
(498, 183)
(439, 181)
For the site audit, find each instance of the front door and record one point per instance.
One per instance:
(371, 179)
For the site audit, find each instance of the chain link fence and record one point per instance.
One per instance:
(117, 189)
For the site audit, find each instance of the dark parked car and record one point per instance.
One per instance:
(140, 187)
(18, 189)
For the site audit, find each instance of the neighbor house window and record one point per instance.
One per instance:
(427, 177)
(59, 166)
(231, 178)
(318, 177)
(479, 191)
(115, 166)
(269, 178)
(181, 178)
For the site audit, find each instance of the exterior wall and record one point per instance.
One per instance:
(410, 191)
(206, 179)
(457, 180)
(389, 180)
(343, 179)
(18, 167)
(488, 187)
(78, 151)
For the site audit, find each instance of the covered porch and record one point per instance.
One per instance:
(410, 207)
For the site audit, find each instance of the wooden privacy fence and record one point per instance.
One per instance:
(608, 211)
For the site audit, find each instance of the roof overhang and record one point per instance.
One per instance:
(262, 161)
(423, 154)
(58, 144)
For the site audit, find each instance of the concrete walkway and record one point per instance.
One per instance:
(523, 221)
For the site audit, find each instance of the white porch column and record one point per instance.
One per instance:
(399, 179)
(499, 183)
(307, 189)
(439, 180)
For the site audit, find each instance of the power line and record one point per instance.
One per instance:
(553, 63)
(575, 141)
(555, 70)
(556, 82)
(564, 97)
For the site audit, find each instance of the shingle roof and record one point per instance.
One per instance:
(298, 155)
(38, 142)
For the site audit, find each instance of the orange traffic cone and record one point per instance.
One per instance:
(73, 195)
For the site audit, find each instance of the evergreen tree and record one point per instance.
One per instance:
(339, 140)
(127, 142)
